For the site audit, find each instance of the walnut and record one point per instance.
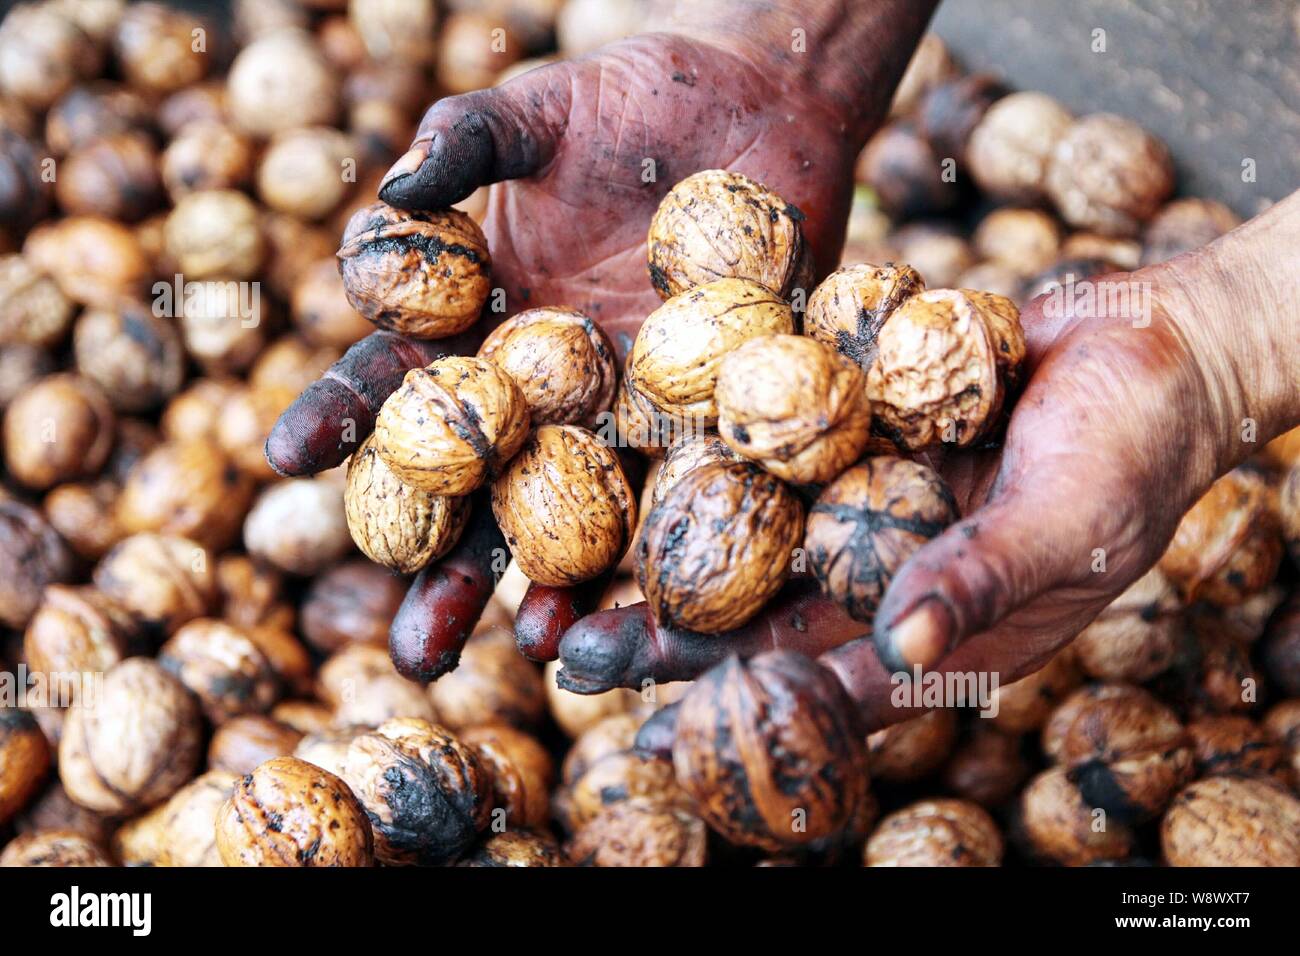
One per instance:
(195, 413)
(426, 792)
(1027, 240)
(43, 54)
(1183, 225)
(945, 363)
(1109, 175)
(206, 154)
(493, 684)
(328, 748)
(353, 601)
(1282, 724)
(936, 250)
(565, 507)
(451, 426)
(321, 311)
(614, 778)
(1136, 637)
(422, 274)
(162, 580)
(59, 429)
(638, 424)
(1010, 148)
(1116, 254)
(930, 65)
(298, 526)
(182, 831)
(684, 456)
(292, 246)
(1059, 826)
(133, 355)
(849, 307)
(155, 46)
(186, 488)
(935, 833)
(1024, 705)
(515, 848)
(201, 103)
(76, 632)
(640, 832)
(615, 733)
(288, 812)
(1225, 821)
(304, 171)
(795, 406)
(988, 767)
(24, 760)
(303, 716)
(718, 547)
(365, 689)
(54, 810)
(902, 170)
(1125, 751)
(53, 848)
(717, 224)
(561, 360)
(770, 751)
(33, 310)
(401, 30)
(32, 555)
(115, 177)
(675, 358)
(280, 81)
(951, 111)
(913, 749)
(473, 48)
(244, 742)
(135, 745)
(21, 366)
(867, 523)
(521, 770)
(244, 423)
(222, 667)
(215, 234)
(93, 260)
(24, 195)
(292, 363)
(394, 524)
(1233, 745)
(1227, 546)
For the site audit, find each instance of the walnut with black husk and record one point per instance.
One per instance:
(425, 275)
(851, 305)
(718, 547)
(717, 225)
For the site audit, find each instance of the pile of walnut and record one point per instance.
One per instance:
(204, 650)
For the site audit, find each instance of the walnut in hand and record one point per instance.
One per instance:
(851, 305)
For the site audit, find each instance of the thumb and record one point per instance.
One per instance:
(471, 140)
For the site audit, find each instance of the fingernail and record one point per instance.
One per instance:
(922, 638)
(409, 162)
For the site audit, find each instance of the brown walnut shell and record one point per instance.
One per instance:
(684, 456)
(425, 275)
(867, 523)
(155, 46)
(136, 745)
(940, 832)
(1011, 146)
(366, 690)
(206, 154)
(851, 305)
(222, 667)
(1059, 826)
(515, 848)
(182, 831)
(215, 234)
(24, 760)
(492, 684)
(674, 360)
(718, 547)
(75, 633)
(1280, 650)
(1024, 705)
(53, 848)
(85, 514)
(795, 406)
(1136, 637)
(33, 310)
(351, 602)
(321, 311)
(565, 507)
(452, 425)
(426, 793)
(93, 260)
(115, 177)
(615, 733)
(1289, 509)
(562, 361)
(288, 812)
(243, 743)
(281, 80)
(640, 832)
(1184, 225)
(717, 224)
(59, 429)
(1236, 746)
(988, 768)
(1026, 240)
(912, 749)
(43, 54)
(522, 774)
(163, 580)
(770, 751)
(32, 555)
(186, 488)
(1226, 821)
(613, 779)
(136, 357)
(393, 523)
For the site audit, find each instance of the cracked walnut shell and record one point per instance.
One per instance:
(562, 361)
(718, 547)
(795, 406)
(565, 507)
(1226, 821)
(674, 360)
(288, 812)
(946, 359)
(426, 275)
(867, 523)
(718, 225)
(942, 832)
(452, 425)
(394, 524)
(851, 305)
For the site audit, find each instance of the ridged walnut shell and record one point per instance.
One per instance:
(394, 524)
(76, 632)
(1136, 637)
(674, 360)
(243, 743)
(181, 832)
(424, 274)
(366, 690)
(562, 361)
(522, 774)
(163, 580)
(565, 507)
(718, 547)
(288, 812)
(1228, 545)
(186, 488)
(718, 225)
(640, 832)
(1225, 821)
(770, 751)
(1059, 826)
(867, 523)
(426, 793)
(685, 455)
(795, 406)
(452, 425)
(941, 374)
(941, 832)
(492, 684)
(222, 667)
(1010, 148)
(137, 744)
(58, 429)
(614, 778)
(1234, 745)
(24, 760)
(851, 305)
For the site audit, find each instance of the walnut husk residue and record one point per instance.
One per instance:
(851, 305)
